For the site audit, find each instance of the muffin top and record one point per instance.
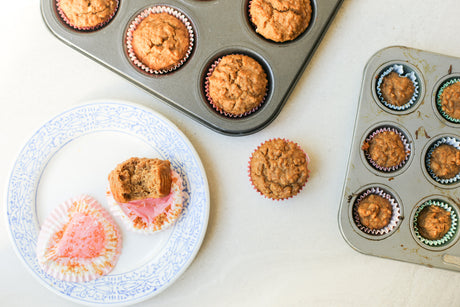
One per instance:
(433, 222)
(278, 169)
(445, 161)
(450, 100)
(386, 149)
(374, 211)
(161, 41)
(88, 13)
(280, 20)
(397, 90)
(237, 84)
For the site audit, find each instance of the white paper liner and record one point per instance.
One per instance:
(395, 217)
(399, 69)
(448, 141)
(71, 268)
(405, 143)
(155, 10)
(172, 214)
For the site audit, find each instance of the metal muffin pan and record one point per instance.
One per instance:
(221, 27)
(410, 185)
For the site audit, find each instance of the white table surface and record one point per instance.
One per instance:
(256, 252)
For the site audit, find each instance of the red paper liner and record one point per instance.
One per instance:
(132, 27)
(84, 29)
(213, 104)
(307, 158)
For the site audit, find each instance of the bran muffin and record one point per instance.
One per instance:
(86, 14)
(374, 211)
(445, 161)
(397, 90)
(237, 85)
(280, 20)
(434, 222)
(449, 101)
(160, 40)
(278, 169)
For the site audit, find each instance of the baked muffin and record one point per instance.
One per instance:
(374, 211)
(386, 149)
(87, 14)
(237, 85)
(278, 169)
(433, 222)
(145, 193)
(280, 20)
(445, 161)
(160, 40)
(397, 90)
(449, 100)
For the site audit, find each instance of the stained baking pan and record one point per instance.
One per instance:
(411, 185)
(221, 27)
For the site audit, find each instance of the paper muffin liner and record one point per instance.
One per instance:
(395, 218)
(405, 143)
(172, 214)
(84, 29)
(438, 100)
(71, 268)
(156, 10)
(447, 141)
(214, 105)
(399, 69)
(250, 177)
(453, 227)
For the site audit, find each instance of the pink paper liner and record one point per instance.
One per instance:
(171, 215)
(155, 10)
(395, 218)
(77, 269)
(212, 103)
(70, 24)
(249, 169)
(405, 143)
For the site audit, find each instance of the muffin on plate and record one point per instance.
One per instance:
(86, 14)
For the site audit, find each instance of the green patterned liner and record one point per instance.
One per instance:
(438, 100)
(453, 227)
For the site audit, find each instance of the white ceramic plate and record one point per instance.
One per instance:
(72, 154)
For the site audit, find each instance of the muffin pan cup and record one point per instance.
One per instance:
(411, 185)
(221, 27)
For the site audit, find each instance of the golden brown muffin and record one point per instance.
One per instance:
(374, 211)
(386, 149)
(161, 41)
(445, 161)
(237, 84)
(433, 222)
(397, 90)
(140, 178)
(450, 100)
(87, 13)
(278, 169)
(280, 20)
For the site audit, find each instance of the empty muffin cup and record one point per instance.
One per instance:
(398, 87)
(442, 160)
(448, 100)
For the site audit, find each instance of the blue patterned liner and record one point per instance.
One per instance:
(395, 218)
(400, 70)
(448, 141)
(453, 227)
(438, 101)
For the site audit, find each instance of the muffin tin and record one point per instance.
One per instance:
(221, 27)
(410, 185)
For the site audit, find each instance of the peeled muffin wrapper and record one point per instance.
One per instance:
(155, 10)
(405, 143)
(254, 186)
(395, 218)
(84, 29)
(452, 230)
(438, 101)
(169, 215)
(53, 231)
(447, 141)
(399, 69)
(213, 104)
